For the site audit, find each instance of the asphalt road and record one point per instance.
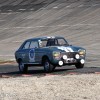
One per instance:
(76, 20)
(11, 70)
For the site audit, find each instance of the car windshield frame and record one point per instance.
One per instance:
(46, 42)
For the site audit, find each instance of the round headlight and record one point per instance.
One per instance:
(77, 56)
(82, 52)
(60, 63)
(64, 57)
(56, 55)
(82, 61)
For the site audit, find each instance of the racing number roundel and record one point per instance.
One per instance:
(32, 55)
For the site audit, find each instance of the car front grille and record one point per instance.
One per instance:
(69, 54)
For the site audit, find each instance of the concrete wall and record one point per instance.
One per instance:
(77, 20)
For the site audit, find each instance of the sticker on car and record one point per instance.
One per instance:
(32, 55)
(66, 49)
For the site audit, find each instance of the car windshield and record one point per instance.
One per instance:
(53, 42)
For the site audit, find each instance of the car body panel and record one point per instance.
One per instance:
(34, 54)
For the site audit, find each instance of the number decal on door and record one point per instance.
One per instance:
(32, 55)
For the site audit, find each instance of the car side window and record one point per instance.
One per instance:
(51, 42)
(26, 45)
(62, 42)
(34, 44)
(43, 43)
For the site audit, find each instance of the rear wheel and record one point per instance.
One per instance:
(79, 65)
(22, 67)
(48, 67)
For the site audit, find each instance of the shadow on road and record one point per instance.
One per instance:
(39, 72)
(21, 7)
(12, 71)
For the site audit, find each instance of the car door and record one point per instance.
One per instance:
(24, 52)
(33, 52)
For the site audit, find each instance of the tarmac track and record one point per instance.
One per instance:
(11, 70)
(77, 20)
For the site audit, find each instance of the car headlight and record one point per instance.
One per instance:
(56, 54)
(64, 57)
(82, 52)
(77, 56)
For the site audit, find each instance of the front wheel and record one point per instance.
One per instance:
(79, 65)
(48, 67)
(22, 67)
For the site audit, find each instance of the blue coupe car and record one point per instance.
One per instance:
(49, 52)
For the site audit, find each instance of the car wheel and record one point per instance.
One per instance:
(48, 67)
(22, 67)
(79, 65)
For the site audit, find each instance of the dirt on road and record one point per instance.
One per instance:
(53, 87)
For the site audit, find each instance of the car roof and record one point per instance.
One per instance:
(43, 38)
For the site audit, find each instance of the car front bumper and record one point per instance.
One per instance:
(69, 59)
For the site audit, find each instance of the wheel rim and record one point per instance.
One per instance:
(21, 66)
(46, 65)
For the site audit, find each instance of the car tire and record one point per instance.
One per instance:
(54, 67)
(79, 65)
(48, 67)
(22, 67)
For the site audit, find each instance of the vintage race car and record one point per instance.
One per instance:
(49, 52)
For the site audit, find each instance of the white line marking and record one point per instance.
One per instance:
(32, 9)
(96, 5)
(52, 26)
(6, 55)
(68, 6)
(80, 5)
(9, 10)
(6, 13)
(55, 7)
(22, 9)
(17, 41)
(42, 8)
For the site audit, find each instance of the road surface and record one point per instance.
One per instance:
(12, 70)
(77, 20)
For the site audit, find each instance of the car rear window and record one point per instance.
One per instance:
(26, 46)
(34, 44)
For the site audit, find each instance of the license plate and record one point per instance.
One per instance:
(70, 60)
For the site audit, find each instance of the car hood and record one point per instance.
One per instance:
(65, 48)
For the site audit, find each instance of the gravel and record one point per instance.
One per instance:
(53, 87)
